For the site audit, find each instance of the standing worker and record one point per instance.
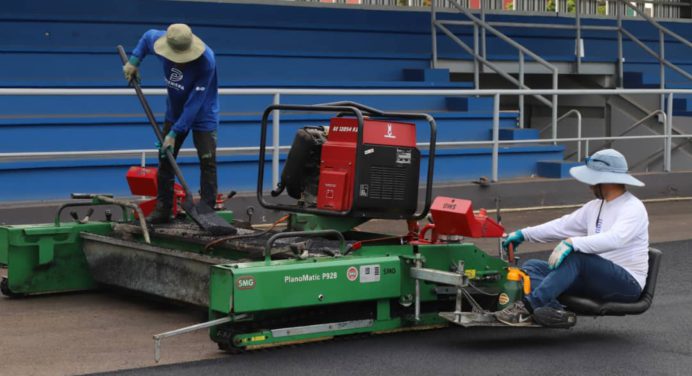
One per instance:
(603, 252)
(189, 69)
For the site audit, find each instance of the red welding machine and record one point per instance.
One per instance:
(373, 173)
(387, 177)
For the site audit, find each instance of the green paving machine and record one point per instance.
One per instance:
(315, 276)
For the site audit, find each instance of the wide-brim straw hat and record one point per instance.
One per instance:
(605, 167)
(179, 45)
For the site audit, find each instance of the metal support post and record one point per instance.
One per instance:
(433, 32)
(496, 136)
(419, 265)
(460, 292)
(618, 11)
(521, 97)
(483, 39)
(554, 109)
(187, 329)
(667, 148)
(662, 67)
(476, 72)
(275, 143)
(578, 48)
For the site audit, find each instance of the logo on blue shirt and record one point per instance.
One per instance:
(176, 75)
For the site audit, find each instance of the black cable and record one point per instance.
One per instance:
(600, 193)
(480, 290)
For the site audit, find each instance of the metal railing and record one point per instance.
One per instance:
(661, 8)
(620, 7)
(481, 57)
(277, 93)
(660, 56)
(572, 112)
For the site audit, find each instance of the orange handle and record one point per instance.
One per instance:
(518, 275)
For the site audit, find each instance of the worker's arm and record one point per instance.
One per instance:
(194, 101)
(570, 225)
(630, 223)
(144, 47)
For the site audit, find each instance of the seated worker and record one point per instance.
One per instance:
(189, 71)
(603, 249)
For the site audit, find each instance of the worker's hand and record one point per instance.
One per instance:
(559, 253)
(130, 70)
(514, 239)
(168, 143)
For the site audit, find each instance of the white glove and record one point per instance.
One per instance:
(559, 253)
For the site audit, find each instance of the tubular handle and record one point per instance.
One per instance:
(281, 235)
(155, 126)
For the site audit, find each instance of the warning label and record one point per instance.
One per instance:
(369, 273)
(352, 273)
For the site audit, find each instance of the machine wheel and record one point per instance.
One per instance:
(5, 288)
(225, 342)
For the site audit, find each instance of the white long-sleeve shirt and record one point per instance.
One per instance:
(621, 236)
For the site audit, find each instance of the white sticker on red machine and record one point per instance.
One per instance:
(369, 273)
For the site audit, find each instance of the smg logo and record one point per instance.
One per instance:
(246, 283)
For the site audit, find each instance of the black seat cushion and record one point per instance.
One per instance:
(590, 307)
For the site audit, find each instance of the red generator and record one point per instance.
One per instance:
(365, 164)
(388, 165)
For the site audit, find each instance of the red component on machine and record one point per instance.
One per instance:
(337, 169)
(453, 216)
(143, 182)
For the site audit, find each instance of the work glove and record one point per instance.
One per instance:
(168, 144)
(131, 70)
(514, 239)
(559, 253)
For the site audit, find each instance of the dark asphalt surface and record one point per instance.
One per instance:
(659, 342)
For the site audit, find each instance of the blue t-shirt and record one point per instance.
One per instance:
(193, 93)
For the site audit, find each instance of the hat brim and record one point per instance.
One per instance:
(593, 177)
(196, 50)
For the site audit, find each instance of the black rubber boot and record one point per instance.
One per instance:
(554, 318)
(160, 215)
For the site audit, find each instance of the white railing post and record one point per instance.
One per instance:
(433, 33)
(618, 11)
(555, 106)
(667, 148)
(522, 120)
(476, 70)
(496, 136)
(275, 143)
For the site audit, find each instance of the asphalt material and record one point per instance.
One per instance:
(659, 342)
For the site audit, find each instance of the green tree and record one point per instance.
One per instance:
(571, 6)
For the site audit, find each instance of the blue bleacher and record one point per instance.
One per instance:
(72, 43)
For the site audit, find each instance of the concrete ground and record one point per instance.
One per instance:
(108, 331)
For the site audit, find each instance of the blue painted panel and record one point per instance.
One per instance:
(56, 180)
(557, 169)
(436, 75)
(233, 131)
(518, 134)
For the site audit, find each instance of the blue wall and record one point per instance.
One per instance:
(72, 44)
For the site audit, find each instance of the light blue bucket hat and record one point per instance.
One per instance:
(605, 167)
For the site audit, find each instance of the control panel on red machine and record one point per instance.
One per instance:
(384, 171)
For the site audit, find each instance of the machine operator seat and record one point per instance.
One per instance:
(589, 307)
